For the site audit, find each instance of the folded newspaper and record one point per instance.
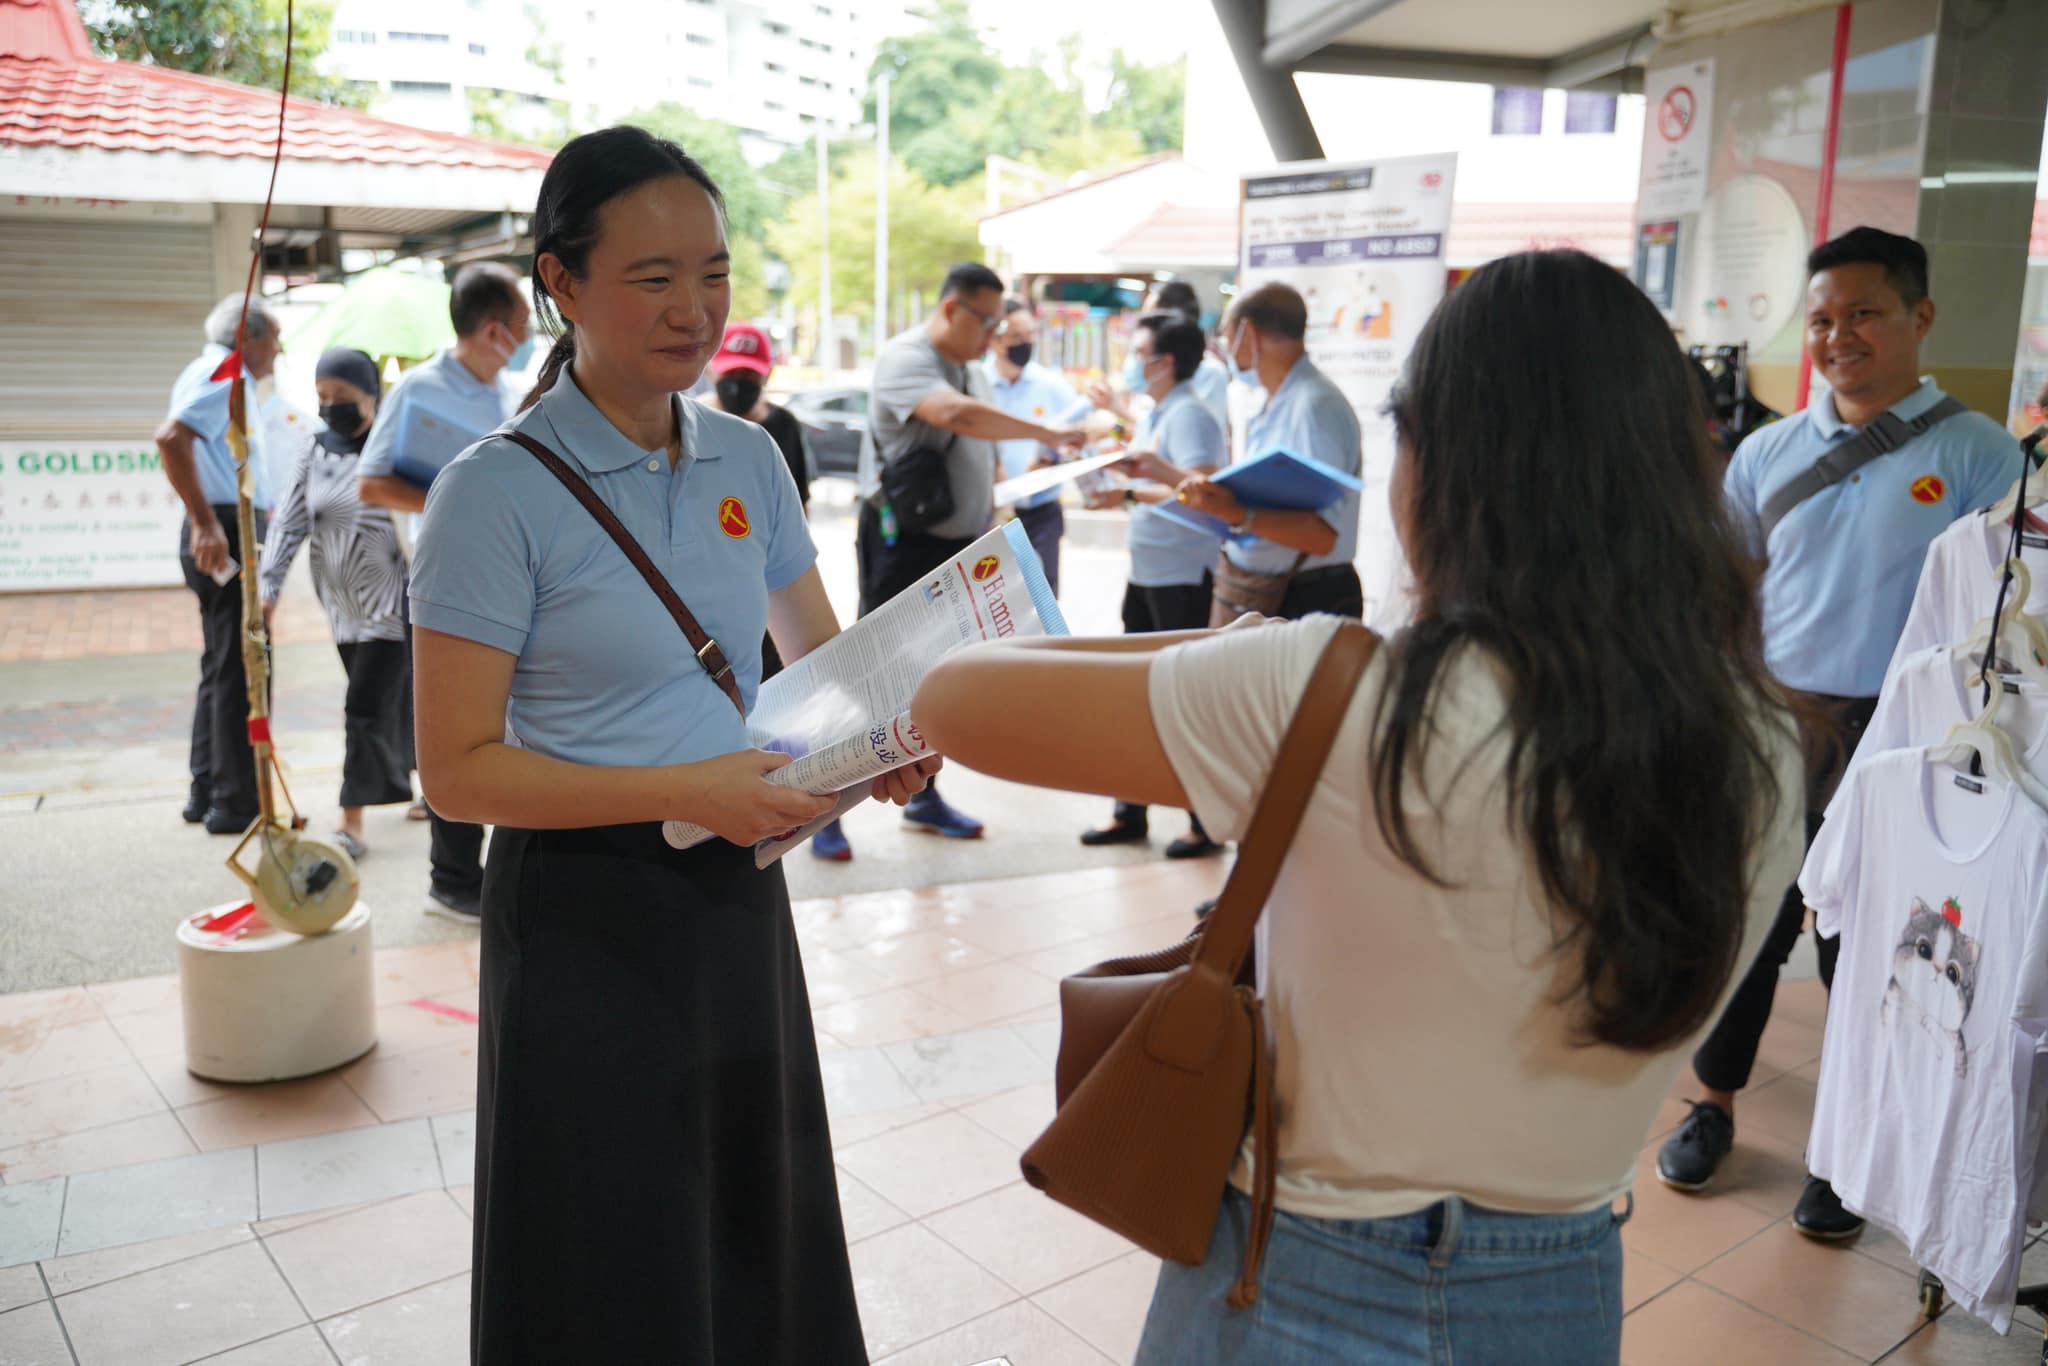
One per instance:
(843, 710)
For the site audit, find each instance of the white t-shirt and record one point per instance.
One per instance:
(1959, 582)
(1925, 1119)
(1418, 1049)
(1930, 691)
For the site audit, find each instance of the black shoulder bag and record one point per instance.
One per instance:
(1884, 435)
(917, 485)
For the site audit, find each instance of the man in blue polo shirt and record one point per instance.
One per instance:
(1021, 387)
(193, 443)
(1840, 569)
(439, 408)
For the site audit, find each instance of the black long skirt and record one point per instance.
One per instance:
(654, 1178)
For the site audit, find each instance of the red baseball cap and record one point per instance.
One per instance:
(745, 348)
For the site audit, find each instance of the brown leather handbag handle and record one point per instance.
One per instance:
(1296, 768)
(706, 649)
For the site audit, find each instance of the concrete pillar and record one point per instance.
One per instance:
(1274, 97)
(234, 232)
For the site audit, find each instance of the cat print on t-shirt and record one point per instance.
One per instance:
(1934, 978)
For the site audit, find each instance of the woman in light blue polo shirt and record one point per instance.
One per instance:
(654, 1177)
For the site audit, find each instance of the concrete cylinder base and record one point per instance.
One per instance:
(269, 1005)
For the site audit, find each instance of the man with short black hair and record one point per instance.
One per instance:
(193, 445)
(1841, 547)
(436, 410)
(1023, 388)
(927, 395)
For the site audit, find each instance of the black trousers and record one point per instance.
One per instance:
(1334, 588)
(1168, 607)
(1727, 1055)
(886, 570)
(1045, 526)
(654, 1178)
(223, 765)
(375, 765)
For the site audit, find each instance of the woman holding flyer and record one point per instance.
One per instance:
(646, 1063)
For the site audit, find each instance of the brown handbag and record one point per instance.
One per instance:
(1239, 591)
(1163, 1057)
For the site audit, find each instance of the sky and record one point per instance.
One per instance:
(1149, 31)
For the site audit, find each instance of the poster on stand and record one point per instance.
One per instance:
(1364, 243)
(86, 514)
(1677, 139)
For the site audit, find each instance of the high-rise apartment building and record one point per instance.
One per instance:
(771, 68)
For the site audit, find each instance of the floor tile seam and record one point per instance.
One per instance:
(258, 1342)
(130, 1060)
(310, 1218)
(970, 1319)
(56, 1313)
(297, 1299)
(1782, 1323)
(146, 1270)
(321, 1324)
(924, 1222)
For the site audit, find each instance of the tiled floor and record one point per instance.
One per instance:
(147, 1216)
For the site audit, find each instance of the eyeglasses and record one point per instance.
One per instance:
(992, 323)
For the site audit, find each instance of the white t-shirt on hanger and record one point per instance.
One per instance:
(1959, 582)
(1926, 1116)
(1932, 690)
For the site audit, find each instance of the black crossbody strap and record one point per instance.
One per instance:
(1885, 434)
(701, 644)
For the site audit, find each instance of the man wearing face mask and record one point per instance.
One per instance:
(437, 409)
(196, 459)
(1025, 389)
(740, 370)
(1302, 559)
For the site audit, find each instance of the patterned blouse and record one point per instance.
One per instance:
(358, 571)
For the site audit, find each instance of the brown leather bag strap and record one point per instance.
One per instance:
(1296, 769)
(701, 644)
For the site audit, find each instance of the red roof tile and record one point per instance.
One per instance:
(52, 95)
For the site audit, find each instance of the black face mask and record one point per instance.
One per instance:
(341, 418)
(1020, 354)
(738, 392)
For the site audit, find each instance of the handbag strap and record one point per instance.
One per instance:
(706, 649)
(1296, 768)
(1885, 433)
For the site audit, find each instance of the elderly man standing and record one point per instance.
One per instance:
(1023, 388)
(193, 444)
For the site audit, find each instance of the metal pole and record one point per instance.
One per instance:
(1830, 139)
(824, 254)
(881, 211)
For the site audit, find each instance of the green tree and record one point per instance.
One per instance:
(1148, 100)
(236, 40)
(749, 204)
(930, 228)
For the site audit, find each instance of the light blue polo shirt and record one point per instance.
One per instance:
(1038, 395)
(444, 387)
(508, 558)
(1166, 552)
(1211, 382)
(1307, 415)
(1841, 567)
(200, 402)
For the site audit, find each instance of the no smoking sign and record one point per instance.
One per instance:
(1676, 112)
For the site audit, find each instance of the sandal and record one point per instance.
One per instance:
(417, 812)
(351, 845)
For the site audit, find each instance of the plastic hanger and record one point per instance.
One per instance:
(1993, 748)
(2025, 494)
(2024, 638)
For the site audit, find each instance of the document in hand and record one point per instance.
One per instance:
(1280, 480)
(1052, 476)
(427, 442)
(843, 710)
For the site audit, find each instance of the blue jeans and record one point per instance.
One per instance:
(1451, 1284)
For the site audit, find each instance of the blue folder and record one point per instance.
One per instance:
(427, 441)
(1279, 480)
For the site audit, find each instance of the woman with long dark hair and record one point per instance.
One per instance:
(1551, 830)
(654, 1178)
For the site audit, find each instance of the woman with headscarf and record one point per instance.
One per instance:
(360, 579)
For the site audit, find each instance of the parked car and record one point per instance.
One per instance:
(834, 417)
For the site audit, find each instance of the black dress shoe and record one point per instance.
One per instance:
(1193, 846)
(220, 821)
(195, 810)
(1820, 1213)
(1116, 832)
(1689, 1158)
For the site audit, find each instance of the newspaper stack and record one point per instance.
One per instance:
(843, 710)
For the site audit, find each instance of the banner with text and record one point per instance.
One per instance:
(1365, 246)
(86, 514)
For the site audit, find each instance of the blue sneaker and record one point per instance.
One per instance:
(830, 843)
(928, 812)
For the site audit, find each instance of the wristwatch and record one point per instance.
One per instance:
(1243, 527)
(1130, 497)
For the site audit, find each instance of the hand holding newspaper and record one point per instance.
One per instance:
(843, 710)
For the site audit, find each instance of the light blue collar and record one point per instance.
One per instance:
(1296, 375)
(588, 436)
(1821, 412)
